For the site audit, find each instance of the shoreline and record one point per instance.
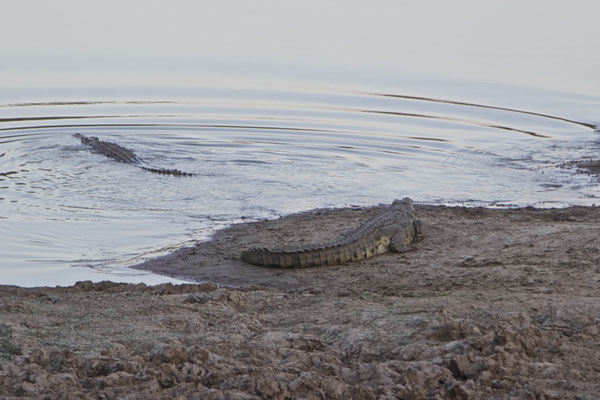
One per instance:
(492, 303)
(218, 259)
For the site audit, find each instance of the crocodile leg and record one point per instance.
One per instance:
(405, 236)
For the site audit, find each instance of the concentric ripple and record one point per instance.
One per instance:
(257, 153)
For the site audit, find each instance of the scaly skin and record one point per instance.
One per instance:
(123, 155)
(393, 230)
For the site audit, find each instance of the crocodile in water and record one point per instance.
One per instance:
(124, 155)
(392, 230)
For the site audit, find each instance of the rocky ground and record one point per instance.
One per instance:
(491, 304)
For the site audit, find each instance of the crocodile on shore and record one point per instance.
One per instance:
(124, 155)
(392, 230)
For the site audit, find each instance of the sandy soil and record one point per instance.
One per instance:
(491, 304)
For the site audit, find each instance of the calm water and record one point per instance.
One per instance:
(274, 118)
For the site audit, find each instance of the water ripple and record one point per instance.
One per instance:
(261, 154)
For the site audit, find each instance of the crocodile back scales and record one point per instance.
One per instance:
(121, 154)
(392, 230)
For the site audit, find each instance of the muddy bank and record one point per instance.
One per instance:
(453, 236)
(492, 304)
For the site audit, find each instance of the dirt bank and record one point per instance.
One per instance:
(492, 304)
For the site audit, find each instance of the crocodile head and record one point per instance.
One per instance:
(405, 202)
(85, 139)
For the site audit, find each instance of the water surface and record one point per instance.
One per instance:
(259, 153)
(277, 110)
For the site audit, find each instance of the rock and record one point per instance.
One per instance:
(41, 355)
(230, 296)
(234, 297)
(198, 355)
(116, 350)
(307, 344)
(414, 377)
(167, 375)
(409, 392)
(486, 378)
(233, 395)
(115, 379)
(63, 380)
(464, 367)
(450, 331)
(504, 359)
(458, 391)
(170, 353)
(40, 378)
(189, 372)
(548, 394)
(28, 389)
(197, 298)
(266, 387)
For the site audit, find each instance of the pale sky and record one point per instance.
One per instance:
(548, 44)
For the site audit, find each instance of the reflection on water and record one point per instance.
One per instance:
(278, 107)
(262, 154)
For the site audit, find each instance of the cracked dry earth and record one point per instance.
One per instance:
(491, 304)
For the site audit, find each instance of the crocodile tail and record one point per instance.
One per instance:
(278, 259)
(174, 172)
(256, 256)
(332, 255)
